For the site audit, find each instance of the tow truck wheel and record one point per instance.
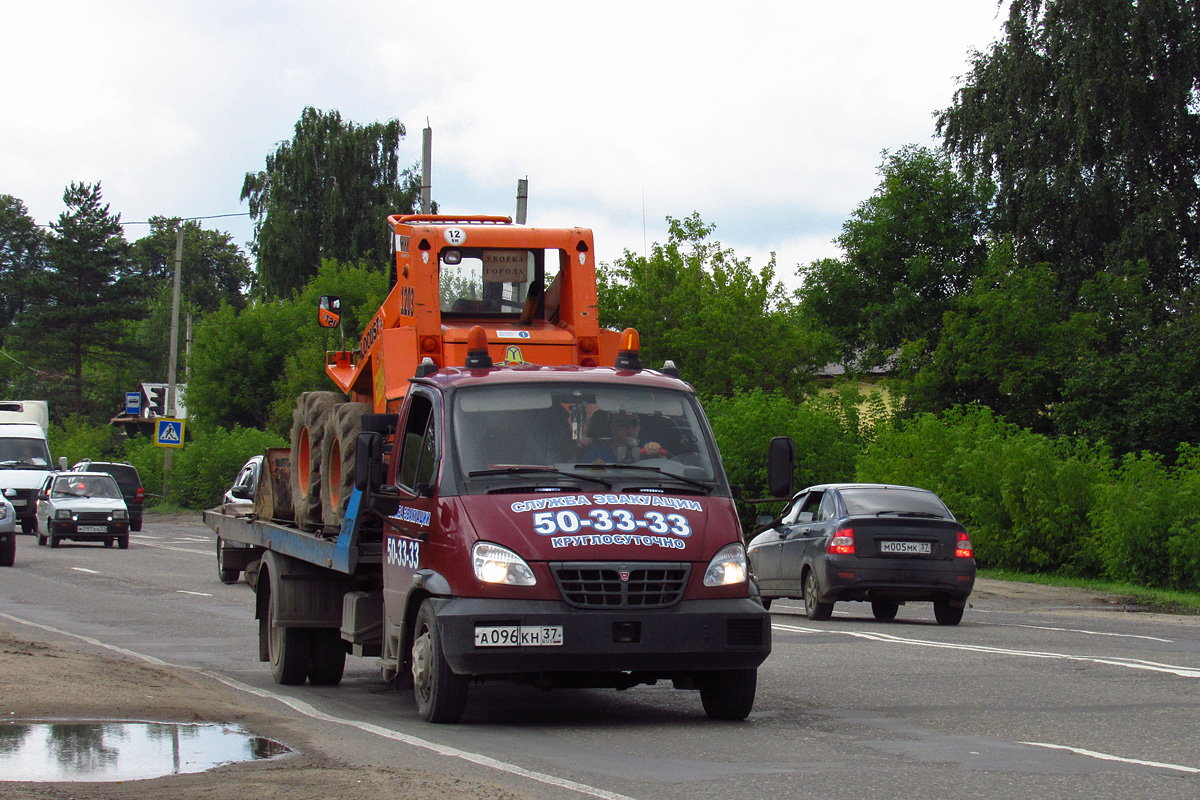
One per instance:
(328, 657)
(290, 650)
(342, 426)
(308, 433)
(727, 693)
(441, 695)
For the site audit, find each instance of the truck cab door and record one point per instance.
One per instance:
(407, 535)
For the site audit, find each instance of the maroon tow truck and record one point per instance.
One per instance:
(500, 529)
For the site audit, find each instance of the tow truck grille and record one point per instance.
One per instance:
(590, 585)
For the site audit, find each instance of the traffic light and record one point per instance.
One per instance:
(156, 401)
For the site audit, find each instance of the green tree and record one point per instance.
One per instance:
(725, 326)
(249, 366)
(214, 270)
(1086, 114)
(910, 250)
(326, 194)
(1132, 379)
(84, 298)
(22, 255)
(1004, 345)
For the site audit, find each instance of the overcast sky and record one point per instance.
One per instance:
(767, 118)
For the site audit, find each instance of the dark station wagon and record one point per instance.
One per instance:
(882, 544)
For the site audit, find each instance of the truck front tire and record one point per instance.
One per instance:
(441, 694)
(727, 693)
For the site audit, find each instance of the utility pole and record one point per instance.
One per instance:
(426, 168)
(173, 352)
(522, 199)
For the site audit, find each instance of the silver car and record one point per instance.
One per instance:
(8, 533)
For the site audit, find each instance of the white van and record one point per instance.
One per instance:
(24, 456)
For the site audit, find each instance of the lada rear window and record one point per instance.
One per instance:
(561, 425)
(866, 502)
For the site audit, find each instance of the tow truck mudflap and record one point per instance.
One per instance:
(697, 634)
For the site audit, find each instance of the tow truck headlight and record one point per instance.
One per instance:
(496, 564)
(727, 567)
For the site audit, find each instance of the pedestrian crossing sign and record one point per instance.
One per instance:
(168, 432)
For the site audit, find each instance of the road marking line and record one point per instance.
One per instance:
(176, 549)
(1108, 757)
(197, 594)
(1080, 630)
(366, 727)
(1114, 661)
(85, 569)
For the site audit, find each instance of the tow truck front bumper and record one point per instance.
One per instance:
(693, 635)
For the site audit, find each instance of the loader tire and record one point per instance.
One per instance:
(342, 426)
(308, 431)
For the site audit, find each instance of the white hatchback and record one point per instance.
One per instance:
(83, 507)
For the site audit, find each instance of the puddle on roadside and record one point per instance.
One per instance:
(98, 751)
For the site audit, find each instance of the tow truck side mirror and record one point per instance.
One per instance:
(368, 461)
(781, 459)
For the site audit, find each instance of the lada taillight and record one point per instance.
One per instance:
(963, 548)
(139, 494)
(842, 543)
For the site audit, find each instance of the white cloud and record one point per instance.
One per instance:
(766, 118)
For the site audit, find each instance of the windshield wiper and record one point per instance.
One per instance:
(482, 473)
(708, 487)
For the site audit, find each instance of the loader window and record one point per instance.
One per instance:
(490, 281)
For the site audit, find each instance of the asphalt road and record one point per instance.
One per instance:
(1020, 700)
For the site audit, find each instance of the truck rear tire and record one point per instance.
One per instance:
(441, 694)
(290, 650)
(328, 657)
(727, 693)
(342, 426)
(308, 431)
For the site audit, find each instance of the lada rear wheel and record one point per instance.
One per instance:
(813, 607)
(884, 611)
(441, 694)
(728, 693)
(945, 613)
(226, 576)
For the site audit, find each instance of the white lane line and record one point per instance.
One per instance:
(1114, 661)
(1108, 757)
(440, 749)
(138, 539)
(197, 594)
(1080, 630)
(388, 733)
(85, 569)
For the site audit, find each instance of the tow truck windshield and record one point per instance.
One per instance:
(583, 432)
